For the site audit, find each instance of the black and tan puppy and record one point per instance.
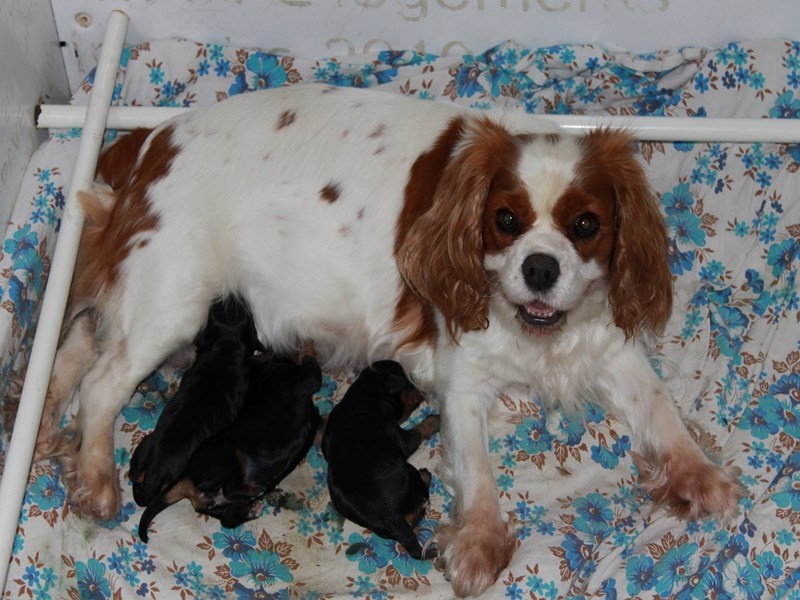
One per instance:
(370, 481)
(209, 397)
(272, 433)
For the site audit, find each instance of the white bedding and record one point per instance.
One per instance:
(731, 352)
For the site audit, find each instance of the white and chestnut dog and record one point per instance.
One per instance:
(375, 226)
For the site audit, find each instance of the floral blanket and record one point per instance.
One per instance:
(731, 354)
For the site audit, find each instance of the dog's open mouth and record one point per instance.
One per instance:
(539, 316)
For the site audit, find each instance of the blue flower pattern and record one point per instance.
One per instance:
(737, 266)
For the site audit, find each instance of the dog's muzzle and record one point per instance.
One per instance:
(540, 272)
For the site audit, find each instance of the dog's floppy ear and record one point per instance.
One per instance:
(441, 257)
(641, 282)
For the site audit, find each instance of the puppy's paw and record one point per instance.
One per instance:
(475, 553)
(693, 487)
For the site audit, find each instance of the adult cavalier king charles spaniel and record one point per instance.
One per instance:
(373, 226)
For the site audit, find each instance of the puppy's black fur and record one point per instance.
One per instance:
(369, 479)
(209, 397)
(272, 433)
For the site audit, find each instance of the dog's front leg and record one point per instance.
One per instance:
(672, 466)
(479, 543)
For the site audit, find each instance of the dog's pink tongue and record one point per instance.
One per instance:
(538, 309)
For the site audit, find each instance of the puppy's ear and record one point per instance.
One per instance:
(441, 257)
(641, 282)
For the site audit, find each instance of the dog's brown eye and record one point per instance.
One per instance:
(586, 225)
(507, 221)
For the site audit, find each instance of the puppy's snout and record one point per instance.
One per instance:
(540, 272)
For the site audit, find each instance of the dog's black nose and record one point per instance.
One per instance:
(540, 272)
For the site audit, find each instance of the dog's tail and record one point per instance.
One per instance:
(183, 489)
(115, 169)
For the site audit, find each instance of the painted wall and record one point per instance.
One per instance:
(31, 71)
(316, 28)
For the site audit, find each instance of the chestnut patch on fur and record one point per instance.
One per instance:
(507, 194)
(113, 224)
(593, 195)
(285, 119)
(331, 192)
(116, 163)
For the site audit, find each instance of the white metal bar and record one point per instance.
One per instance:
(667, 129)
(21, 447)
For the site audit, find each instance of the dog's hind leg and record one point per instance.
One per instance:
(73, 360)
(90, 474)
(125, 359)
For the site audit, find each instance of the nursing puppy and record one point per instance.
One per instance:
(369, 480)
(209, 397)
(272, 433)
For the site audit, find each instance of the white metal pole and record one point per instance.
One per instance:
(21, 447)
(667, 129)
